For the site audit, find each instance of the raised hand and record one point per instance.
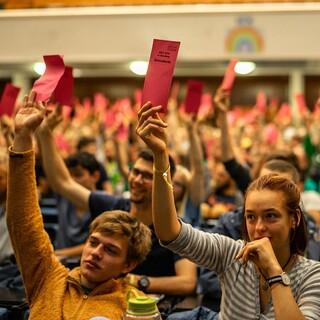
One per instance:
(29, 116)
(151, 128)
(53, 118)
(26, 121)
(222, 100)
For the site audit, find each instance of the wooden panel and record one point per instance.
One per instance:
(15, 4)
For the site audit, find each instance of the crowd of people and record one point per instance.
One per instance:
(223, 204)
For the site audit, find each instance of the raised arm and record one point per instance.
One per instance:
(152, 131)
(32, 246)
(239, 173)
(55, 169)
(196, 186)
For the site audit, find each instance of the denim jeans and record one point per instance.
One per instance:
(199, 313)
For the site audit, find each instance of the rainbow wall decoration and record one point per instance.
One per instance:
(244, 39)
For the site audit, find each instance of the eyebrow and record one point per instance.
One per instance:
(264, 210)
(106, 245)
(142, 171)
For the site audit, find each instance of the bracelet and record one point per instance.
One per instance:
(164, 175)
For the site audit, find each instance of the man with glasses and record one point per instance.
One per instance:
(162, 271)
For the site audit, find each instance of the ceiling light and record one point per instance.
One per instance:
(139, 67)
(39, 68)
(244, 67)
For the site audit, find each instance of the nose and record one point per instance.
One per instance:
(260, 226)
(97, 252)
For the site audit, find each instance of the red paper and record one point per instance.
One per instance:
(229, 76)
(138, 96)
(66, 112)
(271, 134)
(63, 93)
(206, 106)
(193, 97)
(284, 112)
(301, 102)
(100, 102)
(261, 102)
(160, 72)
(47, 83)
(8, 99)
(122, 132)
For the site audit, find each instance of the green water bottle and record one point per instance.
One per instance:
(142, 308)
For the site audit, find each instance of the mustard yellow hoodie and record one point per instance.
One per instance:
(53, 291)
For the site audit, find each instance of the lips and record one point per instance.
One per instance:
(92, 265)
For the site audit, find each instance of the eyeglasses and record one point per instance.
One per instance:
(145, 176)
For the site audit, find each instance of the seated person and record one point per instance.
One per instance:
(73, 222)
(116, 244)
(89, 144)
(175, 275)
(223, 197)
(264, 276)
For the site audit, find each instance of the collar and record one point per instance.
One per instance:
(74, 278)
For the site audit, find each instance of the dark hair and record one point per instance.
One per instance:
(84, 160)
(84, 141)
(291, 193)
(276, 155)
(282, 166)
(121, 223)
(147, 155)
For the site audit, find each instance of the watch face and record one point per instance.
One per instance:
(144, 282)
(285, 279)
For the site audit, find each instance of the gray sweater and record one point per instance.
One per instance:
(239, 284)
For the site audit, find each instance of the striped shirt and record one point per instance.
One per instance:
(239, 284)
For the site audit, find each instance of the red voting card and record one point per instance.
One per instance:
(193, 97)
(229, 76)
(63, 93)
(261, 102)
(100, 102)
(47, 83)
(301, 102)
(160, 71)
(8, 99)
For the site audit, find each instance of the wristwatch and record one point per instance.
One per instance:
(282, 278)
(143, 283)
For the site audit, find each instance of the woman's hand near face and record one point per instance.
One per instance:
(261, 253)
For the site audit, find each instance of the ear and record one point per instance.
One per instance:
(129, 266)
(96, 175)
(295, 219)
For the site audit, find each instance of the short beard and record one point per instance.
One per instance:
(137, 201)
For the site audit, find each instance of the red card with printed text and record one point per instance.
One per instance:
(63, 93)
(8, 99)
(47, 83)
(160, 72)
(229, 76)
(193, 97)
